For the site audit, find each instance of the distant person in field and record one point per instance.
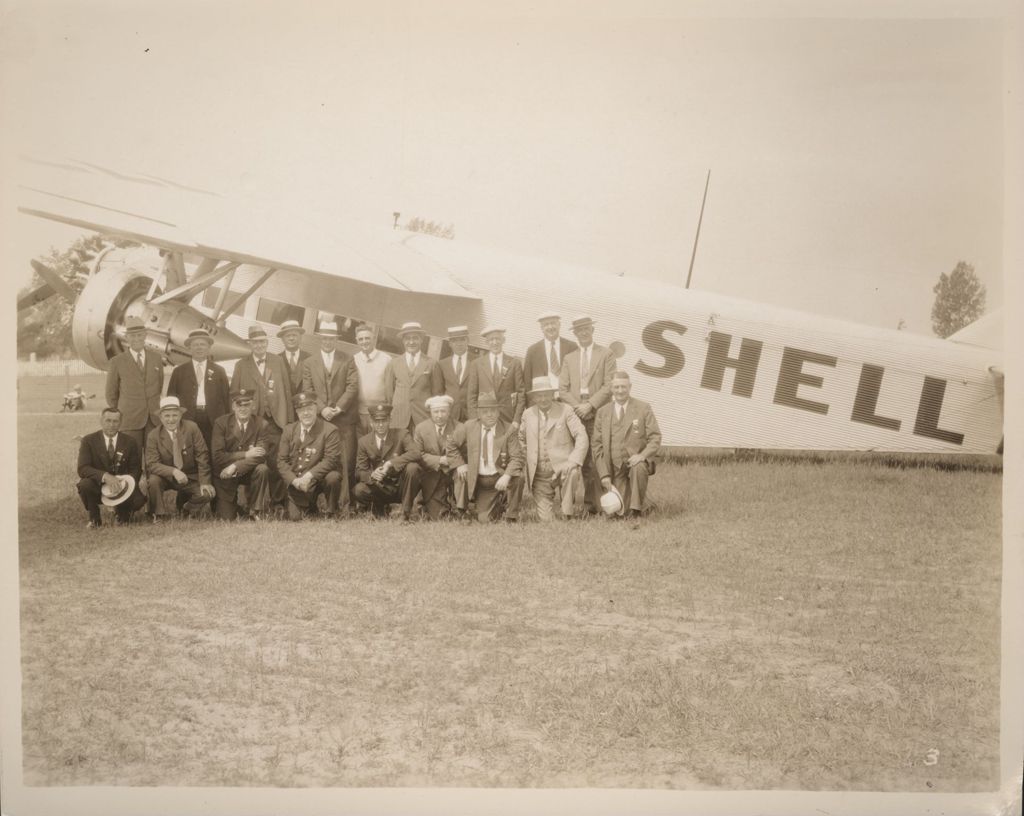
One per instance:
(430, 449)
(371, 363)
(555, 443)
(293, 356)
(455, 369)
(76, 399)
(499, 374)
(492, 464)
(386, 472)
(104, 457)
(411, 379)
(626, 440)
(241, 443)
(585, 383)
(201, 385)
(177, 459)
(135, 382)
(545, 357)
(309, 460)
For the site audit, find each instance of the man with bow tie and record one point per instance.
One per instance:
(309, 460)
(177, 459)
(201, 385)
(135, 382)
(626, 440)
(410, 379)
(545, 357)
(385, 468)
(105, 456)
(371, 363)
(499, 374)
(293, 355)
(430, 452)
(239, 456)
(455, 370)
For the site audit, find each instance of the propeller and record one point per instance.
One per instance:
(53, 284)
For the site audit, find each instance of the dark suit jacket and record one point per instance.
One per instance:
(195, 457)
(637, 433)
(535, 363)
(134, 393)
(408, 391)
(319, 455)
(509, 457)
(93, 461)
(454, 389)
(338, 387)
(510, 389)
(396, 450)
(428, 449)
(229, 444)
(273, 391)
(183, 385)
(295, 373)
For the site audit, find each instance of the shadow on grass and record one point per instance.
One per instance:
(952, 462)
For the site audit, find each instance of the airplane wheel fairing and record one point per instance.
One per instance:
(107, 299)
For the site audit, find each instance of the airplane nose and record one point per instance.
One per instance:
(178, 319)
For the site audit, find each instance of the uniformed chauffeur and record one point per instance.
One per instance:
(239, 455)
(385, 467)
(309, 459)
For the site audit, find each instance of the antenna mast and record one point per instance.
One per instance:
(696, 237)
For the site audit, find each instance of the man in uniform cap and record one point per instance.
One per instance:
(135, 382)
(177, 459)
(492, 464)
(586, 384)
(410, 379)
(626, 440)
(104, 458)
(290, 333)
(545, 357)
(309, 460)
(430, 452)
(371, 363)
(239, 454)
(455, 369)
(201, 385)
(499, 374)
(385, 466)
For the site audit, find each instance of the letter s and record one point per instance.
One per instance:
(654, 340)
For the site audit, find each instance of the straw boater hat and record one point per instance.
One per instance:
(542, 384)
(328, 329)
(257, 333)
(491, 330)
(133, 324)
(582, 322)
(171, 404)
(412, 327)
(455, 332)
(381, 410)
(198, 334)
(611, 502)
(548, 316)
(304, 398)
(114, 497)
(487, 399)
(290, 325)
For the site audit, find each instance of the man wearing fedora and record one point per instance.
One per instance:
(135, 382)
(555, 443)
(109, 470)
(499, 374)
(410, 379)
(492, 463)
(430, 456)
(585, 383)
(239, 457)
(545, 357)
(201, 385)
(626, 440)
(177, 459)
(455, 370)
(385, 466)
(371, 363)
(309, 460)
(294, 357)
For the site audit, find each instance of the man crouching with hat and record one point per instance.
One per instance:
(491, 473)
(177, 459)
(385, 468)
(241, 443)
(309, 460)
(109, 468)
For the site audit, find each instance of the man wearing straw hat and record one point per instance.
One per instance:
(547, 354)
(455, 370)
(109, 469)
(290, 333)
(555, 443)
(411, 379)
(431, 456)
(177, 459)
(201, 385)
(135, 382)
(499, 374)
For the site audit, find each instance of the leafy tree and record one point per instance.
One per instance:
(418, 224)
(959, 300)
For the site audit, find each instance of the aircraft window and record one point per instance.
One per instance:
(473, 352)
(276, 312)
(346, 325)
(389, 341)
(211, 293)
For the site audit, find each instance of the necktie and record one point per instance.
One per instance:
(618, 412)
(141, 360)
(110, 448)
(440, 433)
(380, 444)
(242, 427)
(487, 453)
(294, 359)
(553, 365)
(497, 370)
(259, 365)
(179, 463)
(302, 436)
(585, 366)
(458, 369)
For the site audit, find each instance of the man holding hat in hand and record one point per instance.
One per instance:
(293, 356)
(201, 385)
(545, 357)
(135, 382)
(385, 468)
(499, 374)
(239, 455)
(109, 469)
(410, 379)
(309, 460)
(177, 459)
(455, 370)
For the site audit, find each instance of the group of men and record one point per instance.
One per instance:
(368, 431)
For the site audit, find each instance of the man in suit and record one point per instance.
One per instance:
(499, 374)
(546, 355)
(455, 370)
(309, 459)
(371, 363)
(585, 383)
(239, 456)
(333, 377)
(290, 334)
(103, 457)
(177, 459)
(201, 385)
(135, 382)
(555, 443)
(491, 472)
(626, 440)
(384, 468)
(430, 452)
(410, 379)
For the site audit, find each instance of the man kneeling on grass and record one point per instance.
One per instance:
(384, 466)
(109, 464)
(309, 459)
(177, 459)
(240, 445)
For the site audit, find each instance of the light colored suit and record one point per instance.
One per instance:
(565, 440)
(407, 391)
(615, 441)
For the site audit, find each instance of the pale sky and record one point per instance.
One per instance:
(852, 161)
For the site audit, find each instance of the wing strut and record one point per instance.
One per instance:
(197, 284)
(242, 297)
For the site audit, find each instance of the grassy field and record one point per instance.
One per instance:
(779, 623)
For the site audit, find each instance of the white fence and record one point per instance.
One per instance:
(56, 367)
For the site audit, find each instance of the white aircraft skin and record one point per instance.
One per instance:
(718, 371)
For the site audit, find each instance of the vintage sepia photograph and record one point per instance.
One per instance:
(479, 407)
